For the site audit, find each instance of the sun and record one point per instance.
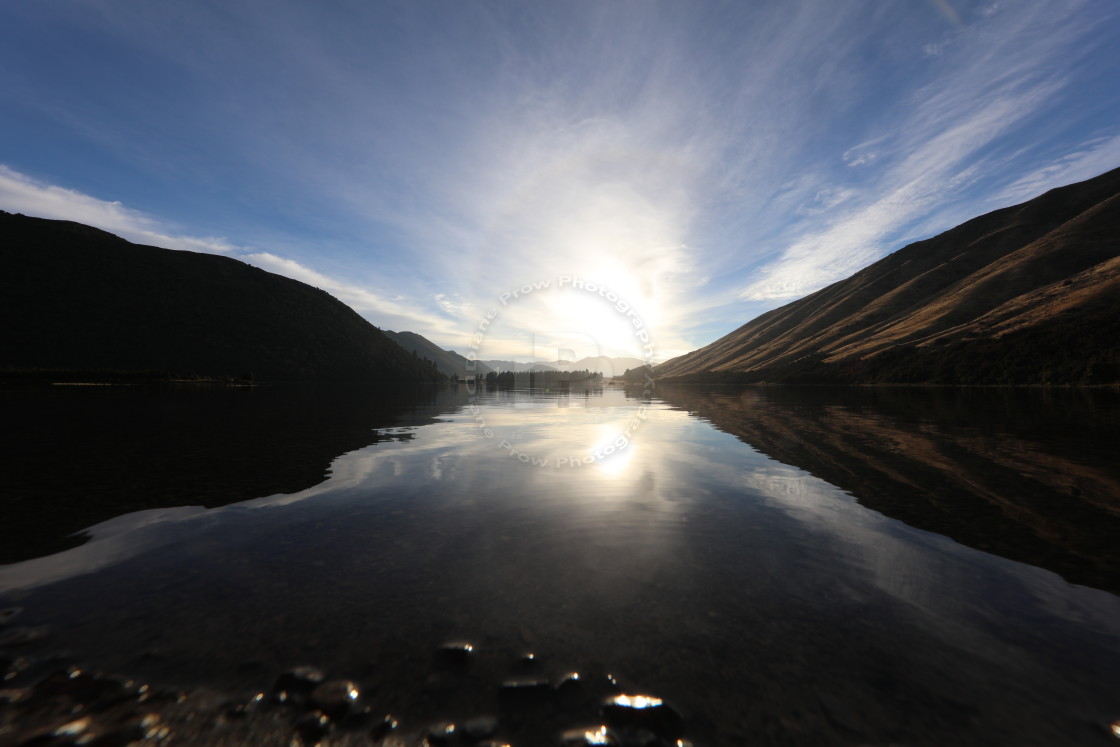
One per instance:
(587, 319)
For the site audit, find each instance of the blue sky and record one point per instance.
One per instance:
(704, 161)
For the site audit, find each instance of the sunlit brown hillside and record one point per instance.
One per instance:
(1024, 295)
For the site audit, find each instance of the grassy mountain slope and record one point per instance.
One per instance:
(1028, 294)
(73, 297)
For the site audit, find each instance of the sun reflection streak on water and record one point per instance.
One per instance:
(614, 454)
(683, 520)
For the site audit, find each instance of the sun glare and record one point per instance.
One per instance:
(614, 452)
(585, 323)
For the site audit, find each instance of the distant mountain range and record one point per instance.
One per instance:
(75, 298)
(451, 363)
(1024, 295)
(602, 364)
(448, 362)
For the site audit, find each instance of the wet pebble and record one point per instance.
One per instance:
(73, 728)
(590, 735)
(454, 656)
(383, 728)
(335, 698)
(241, 710)
(439, 734)
(297, 681)
(642, 713)
(12, 695)
(10, 669)
(479, 728)
(571, 692)
(644, 738)
(522, 691)
(23, 636)
(133, 730)
(528, 663)
(313, 726)
(86, 688)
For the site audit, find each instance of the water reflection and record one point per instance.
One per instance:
(746, 599)
(1030, 475)
(74, 458)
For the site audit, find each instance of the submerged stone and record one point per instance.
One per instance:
(454, 656)
(383, 728)
(13, 668)
(479, 728)
(238, 710)
(132, 730)
(22, 636)
(528, 663)
(439, 734)
(299, 681)
(591, 735)
(313, 726)
(335, 698)
(522, 691)
(571, 692)
(86, 688)
(642, 712)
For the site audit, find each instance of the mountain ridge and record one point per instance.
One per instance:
(74, 297)
(447, 361)
(1028, 294)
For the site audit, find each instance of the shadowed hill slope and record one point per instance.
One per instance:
(74, 297)
(1028, 294)
(448, 362)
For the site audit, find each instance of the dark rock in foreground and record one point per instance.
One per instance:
(73, 706)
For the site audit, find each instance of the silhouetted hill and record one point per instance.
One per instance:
(1024, 295)
(448, 362)
(74, 297)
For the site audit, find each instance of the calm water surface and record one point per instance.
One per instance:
(781, 566)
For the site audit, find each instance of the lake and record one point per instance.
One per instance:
(865, 566)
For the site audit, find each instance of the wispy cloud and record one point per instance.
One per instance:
(20, 193)
(1084, 161)
(995, 78)
(934, 167)
(396, 313)
(706, 161)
